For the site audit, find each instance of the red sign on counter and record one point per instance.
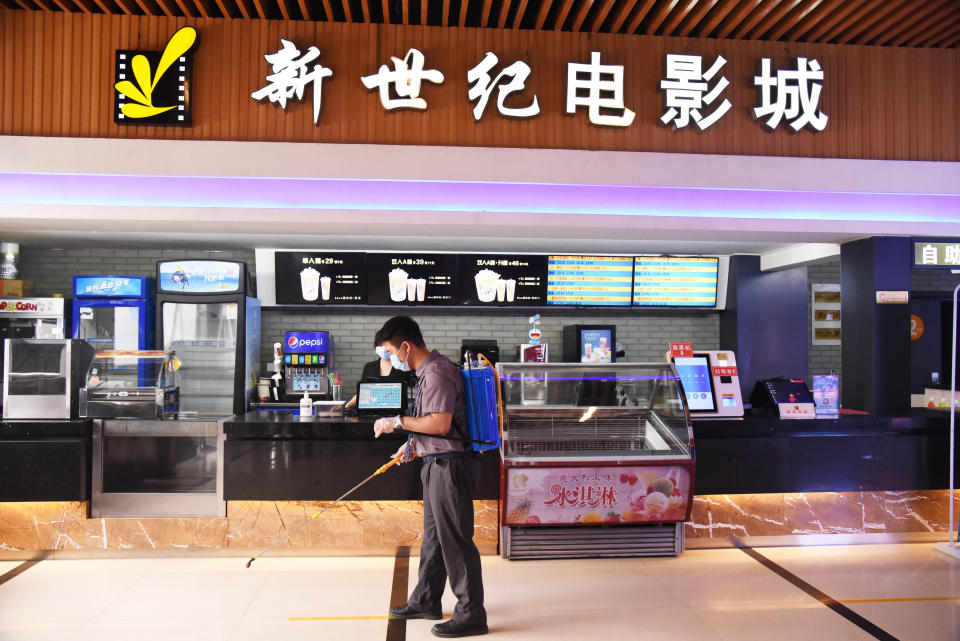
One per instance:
(725, 371)
(680, 350)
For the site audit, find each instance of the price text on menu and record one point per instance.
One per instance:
(411, 279)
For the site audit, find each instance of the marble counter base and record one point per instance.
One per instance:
(250, 525)
(381, 526)
(726, 515)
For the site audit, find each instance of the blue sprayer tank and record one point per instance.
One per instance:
(480, 396)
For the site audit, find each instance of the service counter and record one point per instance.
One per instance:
(276, 455)
(756, 477)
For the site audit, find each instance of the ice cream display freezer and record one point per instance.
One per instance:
(598, 460)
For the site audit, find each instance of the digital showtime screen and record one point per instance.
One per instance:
(589, 280)
(675, 281)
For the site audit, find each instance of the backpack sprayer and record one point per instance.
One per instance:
(481, 395)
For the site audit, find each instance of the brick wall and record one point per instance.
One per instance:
(822, 359)
(933, 280)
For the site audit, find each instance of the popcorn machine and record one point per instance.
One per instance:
(601, 464)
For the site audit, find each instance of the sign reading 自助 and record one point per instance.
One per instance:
(932, 254)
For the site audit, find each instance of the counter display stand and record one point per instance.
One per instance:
(598, 460)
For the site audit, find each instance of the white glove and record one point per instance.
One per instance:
(386, 425)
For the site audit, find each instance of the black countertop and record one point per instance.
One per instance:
(277, 455)
(919, 421)
(860, 452)
(288, 424)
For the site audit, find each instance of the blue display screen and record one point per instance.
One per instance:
(380, 396)
(694, 373)
(199, 276)
(595, 346)
(109, 287)
(589, 280)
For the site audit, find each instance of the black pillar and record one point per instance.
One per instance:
(765, 321)
(875, 347)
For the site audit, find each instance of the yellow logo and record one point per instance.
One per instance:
(142, 92)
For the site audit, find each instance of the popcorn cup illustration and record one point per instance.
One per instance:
(325, 287)
(398, 285)
(310, 283)
(486, 281)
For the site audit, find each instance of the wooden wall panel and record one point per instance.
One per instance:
(57, 80)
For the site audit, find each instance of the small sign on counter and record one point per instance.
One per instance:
(893, 297)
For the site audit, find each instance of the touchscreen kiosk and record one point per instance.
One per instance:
(697, 383)
(711, 384)
(381, 399)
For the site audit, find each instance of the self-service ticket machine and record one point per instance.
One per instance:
(711, 384)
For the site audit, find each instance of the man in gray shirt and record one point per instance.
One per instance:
(450, 473)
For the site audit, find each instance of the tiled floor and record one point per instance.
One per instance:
(912, 592)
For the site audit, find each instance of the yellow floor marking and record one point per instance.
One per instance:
(906, 600)
(375, 618)
(380, 618)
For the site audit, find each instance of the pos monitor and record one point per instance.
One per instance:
(381, 399)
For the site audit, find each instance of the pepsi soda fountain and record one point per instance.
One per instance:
(206, 317)
(307, 360)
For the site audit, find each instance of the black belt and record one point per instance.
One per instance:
(442, 456)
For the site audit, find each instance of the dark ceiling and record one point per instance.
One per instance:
(893, 23)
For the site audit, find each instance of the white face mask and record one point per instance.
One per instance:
(402, 366)
(382, 353)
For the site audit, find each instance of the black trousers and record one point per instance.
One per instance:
(448, 551)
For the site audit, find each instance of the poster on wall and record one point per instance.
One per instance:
(508, 280)
(320, 278)
(596, 495)
(411, 279)
(825, 314)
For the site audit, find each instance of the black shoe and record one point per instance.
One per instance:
(452, 629)
(406, 612)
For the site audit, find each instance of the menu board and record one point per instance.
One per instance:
(589, 280)
(411, 279)
(511, 280)
(320, 278)
(676, 281)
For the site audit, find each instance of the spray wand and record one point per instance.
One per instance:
(383, 468)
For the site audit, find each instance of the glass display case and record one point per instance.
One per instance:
(598, 459)
(131, 384)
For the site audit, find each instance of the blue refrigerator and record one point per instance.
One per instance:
(114, 312)
(205, 315)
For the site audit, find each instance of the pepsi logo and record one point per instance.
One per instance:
(292, 341)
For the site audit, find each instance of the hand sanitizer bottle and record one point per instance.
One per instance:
(306, 405)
